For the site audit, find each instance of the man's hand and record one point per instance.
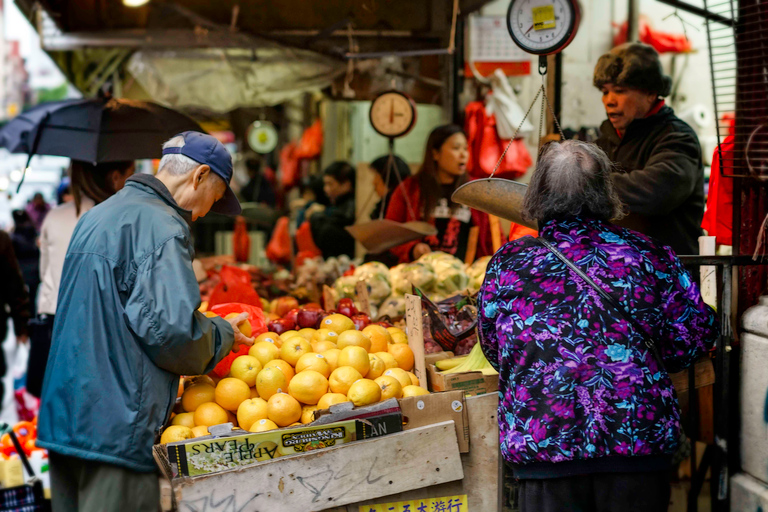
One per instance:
(240, 338)
(420, 250)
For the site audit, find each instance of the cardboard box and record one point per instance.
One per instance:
(472, 383)
(210, 454)
(385, 417)
(419, 411)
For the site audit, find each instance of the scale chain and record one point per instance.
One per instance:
(514, 136)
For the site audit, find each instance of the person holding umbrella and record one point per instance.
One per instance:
(127, 325)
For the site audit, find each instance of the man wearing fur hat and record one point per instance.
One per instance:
(660, 172)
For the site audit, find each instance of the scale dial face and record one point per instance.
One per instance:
(393, 114)
(262, 137)
(543, 27)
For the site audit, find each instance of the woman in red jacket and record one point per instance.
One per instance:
(428, 196)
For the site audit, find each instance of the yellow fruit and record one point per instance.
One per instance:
(185, 419)
(195, 395)
(307, 333)
(337, 323)
(321, 346)
(354, 339)
(200, 431)
(389, 359)
(364, 392)
(293, 349)
(332, 356)
(403, 355)
(271, 381)
(326, 335)
(414, 391)
(176, 433)
(264, 351)
(401, 375)
(210, 413)
(254, 392)
(308, 414)
(414, 378)
(308, 386)
(245, 368)
(342, 378)
(263, 426)
(288, 335)
(231, 392)
(315, 362)
(356, 357)
(250, 411)
(390, 387)
(271, 337)
(283, 409)
(394, 330)
(245, 327)
(283, 367)
(377, 367)
(203, 306)
(210, 314)
(330, 399)
(379, 336)
(399, 338)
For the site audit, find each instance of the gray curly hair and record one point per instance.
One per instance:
(572, 178)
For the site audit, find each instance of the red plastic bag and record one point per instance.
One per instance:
(485, 147)
(235, 286)
(662, 42)
(279, 246)
(289, 166)
(305, 242)
(311, 143)
(258, 326)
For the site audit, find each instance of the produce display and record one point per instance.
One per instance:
(473, 362)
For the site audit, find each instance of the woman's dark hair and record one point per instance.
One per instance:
(431, 190)
(21, 219)
(314, 183)
(93, 181)
(342, 172)
(571, 178)
(400, 171)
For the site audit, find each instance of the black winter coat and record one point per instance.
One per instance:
(660, 178)
(328, 231)
(14, 300)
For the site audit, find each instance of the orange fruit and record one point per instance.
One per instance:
(198, 379)
(307, 333)
(403, 355)
(356, 357)
(389, 359)
(176, 433)
(332, 356)
(322, 346)
(254, 392)
(245, 327)
(377, 367)
(293, 349)
(195, 395)
(414, 391)
(264, 351)
(283, 409)
(283, 367)
(308, 386)
(354, 339)
(263, 426)
(330, 399)
(390, 387)
(245, 368)
(231, 392)
(414, 378)
(185, 419)
(250, 411)
(364, 392)
(379, 336)
(337, 323)
(308, 414)
(342, 378)
(400, 374)
(271, 337)
(315, 362)
(210, 413)
(200, 431)
(326, 335)
(271, 381)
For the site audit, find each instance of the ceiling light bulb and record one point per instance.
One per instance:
(16, 175)
(4, 183)
(134, 3)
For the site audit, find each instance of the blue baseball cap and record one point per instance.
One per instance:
(207, 150)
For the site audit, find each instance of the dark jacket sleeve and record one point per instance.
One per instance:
(668, 178)
(162, 312)
(328, 231)
(12, 290)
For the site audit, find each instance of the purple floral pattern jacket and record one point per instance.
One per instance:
(576, 382)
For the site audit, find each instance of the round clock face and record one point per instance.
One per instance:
(543, 27)
(393, 114)
(262, 137)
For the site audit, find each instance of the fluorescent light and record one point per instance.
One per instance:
(16, 175)
(134, 3)
(4, 182)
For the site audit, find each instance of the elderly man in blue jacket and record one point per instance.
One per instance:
(128, 325)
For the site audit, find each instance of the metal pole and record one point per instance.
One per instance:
(633, 21)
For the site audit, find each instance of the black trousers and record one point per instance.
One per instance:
(40, 334)
(598, 492)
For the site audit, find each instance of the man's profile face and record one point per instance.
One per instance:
(210, 188)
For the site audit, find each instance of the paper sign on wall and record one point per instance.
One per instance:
(443, 504)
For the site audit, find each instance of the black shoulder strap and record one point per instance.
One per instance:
(607, 297)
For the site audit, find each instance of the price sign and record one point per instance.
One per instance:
(415, 328)
(361, 290)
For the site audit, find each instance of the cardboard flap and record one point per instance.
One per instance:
(423, 410)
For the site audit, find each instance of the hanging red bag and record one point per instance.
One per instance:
(279, 246)
(304, 241)
(289, 166)
(311, 143)
(258, 326)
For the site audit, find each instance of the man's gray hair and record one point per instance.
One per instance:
(176, 164)
(572, 178)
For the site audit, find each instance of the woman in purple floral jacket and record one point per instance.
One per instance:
(588, 418)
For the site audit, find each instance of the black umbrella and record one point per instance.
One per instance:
(94, 130)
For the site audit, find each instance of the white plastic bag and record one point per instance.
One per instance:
(503, 104)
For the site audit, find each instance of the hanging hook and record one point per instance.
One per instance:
(542, 65)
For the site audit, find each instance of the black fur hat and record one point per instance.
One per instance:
(633, 65)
